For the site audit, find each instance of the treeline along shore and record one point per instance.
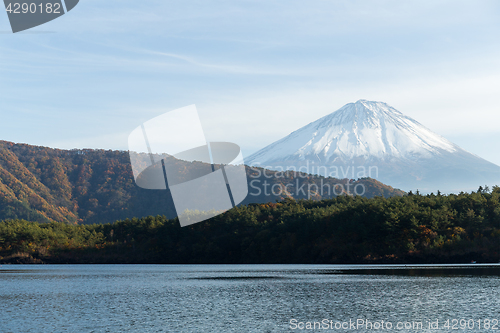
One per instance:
(414, 228)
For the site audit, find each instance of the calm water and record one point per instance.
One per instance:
(246, 298)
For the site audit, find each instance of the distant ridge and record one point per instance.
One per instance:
(96, 186)
(379, 141)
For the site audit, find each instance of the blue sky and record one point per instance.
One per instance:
(256, 70)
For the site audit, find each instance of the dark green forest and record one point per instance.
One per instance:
(90, 186)
(413, 228)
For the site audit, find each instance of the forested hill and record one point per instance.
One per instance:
(96, 186)
(410, 229)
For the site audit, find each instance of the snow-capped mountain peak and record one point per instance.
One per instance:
(364, 132)
(360, 129)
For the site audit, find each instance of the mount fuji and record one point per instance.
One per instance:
(372, 139)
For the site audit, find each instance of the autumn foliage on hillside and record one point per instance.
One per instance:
(97, 186)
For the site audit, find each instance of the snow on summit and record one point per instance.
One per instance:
(363, 128)
(367, 133)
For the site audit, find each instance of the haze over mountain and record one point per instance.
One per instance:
(374, 139)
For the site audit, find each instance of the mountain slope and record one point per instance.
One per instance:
(374, 139)
(96, 186)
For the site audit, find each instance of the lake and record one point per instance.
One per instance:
(249, 298)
